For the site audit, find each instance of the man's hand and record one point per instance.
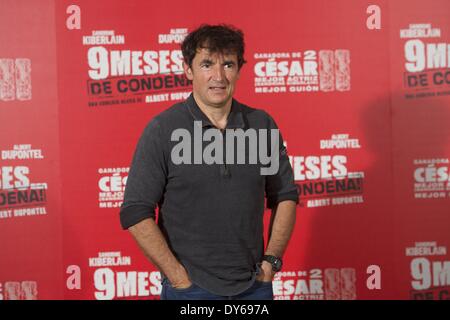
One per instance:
(182, 280)
(266, 273)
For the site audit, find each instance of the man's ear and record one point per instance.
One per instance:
(188, 71)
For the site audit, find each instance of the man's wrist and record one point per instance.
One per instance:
(180, 277)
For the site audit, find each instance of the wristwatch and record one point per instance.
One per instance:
(276, 262)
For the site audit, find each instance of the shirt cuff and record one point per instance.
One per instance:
(129, 216)
(273, 200)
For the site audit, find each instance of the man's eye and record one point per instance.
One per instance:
(229, 65)
(206, 65)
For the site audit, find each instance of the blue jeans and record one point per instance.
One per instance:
(259, 291)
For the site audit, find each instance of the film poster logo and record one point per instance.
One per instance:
(111, 186)
(112, 282)
(431, 178)
(15, 79)
(307, 71)
(324, 180)
(430, 272)
(120, 76)
(316, 284)
(427, 62)
(16, 290)
(19, 197)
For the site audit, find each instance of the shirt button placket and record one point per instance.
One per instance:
(224, 169)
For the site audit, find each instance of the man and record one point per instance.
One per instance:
(208, 242)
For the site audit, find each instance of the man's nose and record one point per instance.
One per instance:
(218, 73)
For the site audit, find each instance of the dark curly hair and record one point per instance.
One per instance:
(221, 38)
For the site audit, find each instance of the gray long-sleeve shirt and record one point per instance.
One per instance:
(210, 214)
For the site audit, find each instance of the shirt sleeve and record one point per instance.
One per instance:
(280, 186)
(146, 179)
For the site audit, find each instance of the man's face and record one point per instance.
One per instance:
(214, 76)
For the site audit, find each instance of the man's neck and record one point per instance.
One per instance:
(217, 115)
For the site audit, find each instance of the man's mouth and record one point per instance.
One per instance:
(217, 88)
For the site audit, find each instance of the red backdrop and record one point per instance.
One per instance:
(358, 89)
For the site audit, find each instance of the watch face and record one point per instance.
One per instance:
(277, 264)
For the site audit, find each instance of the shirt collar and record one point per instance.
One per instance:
(235, 117)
